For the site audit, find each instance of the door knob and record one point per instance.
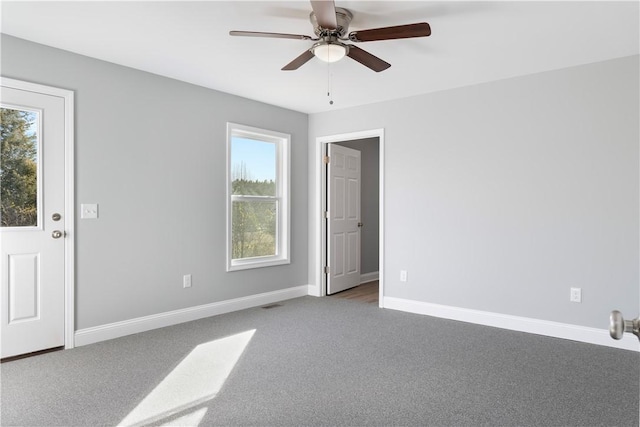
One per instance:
(57, 234)
(618, 326)
(360, 224)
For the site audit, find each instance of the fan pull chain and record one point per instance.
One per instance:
(329, 83)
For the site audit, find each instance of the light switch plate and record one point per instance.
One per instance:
(89, 211)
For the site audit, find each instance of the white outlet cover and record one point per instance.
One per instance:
(89, 211)
(186, 281)
(576, 295)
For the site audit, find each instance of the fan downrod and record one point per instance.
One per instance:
(343, 18)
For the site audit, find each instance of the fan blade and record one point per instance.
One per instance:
(325, 11)
(272, 35)
(299, 61)
(421, 29)
(367, 59)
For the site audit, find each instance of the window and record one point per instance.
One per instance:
(257, 197)
(20, 168)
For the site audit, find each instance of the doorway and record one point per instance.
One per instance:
(37, 219)
(371, 138)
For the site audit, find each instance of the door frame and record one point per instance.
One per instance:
(69, 196)
(319, 251)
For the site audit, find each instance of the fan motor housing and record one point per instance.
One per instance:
(343, 19)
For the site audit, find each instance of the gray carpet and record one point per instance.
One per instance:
(323, 361)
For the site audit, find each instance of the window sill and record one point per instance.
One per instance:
(250, 263)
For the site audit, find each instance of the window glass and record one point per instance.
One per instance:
(254, 229)
(18, 168)
(253, 167)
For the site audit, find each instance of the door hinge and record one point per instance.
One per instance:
(326, 160)
(326, 269)
(326, 214)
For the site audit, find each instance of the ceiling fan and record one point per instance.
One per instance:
(330, 25)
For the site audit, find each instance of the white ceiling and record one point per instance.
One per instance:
(471, 42)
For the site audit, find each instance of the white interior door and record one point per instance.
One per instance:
(343, 224)
(32, 231)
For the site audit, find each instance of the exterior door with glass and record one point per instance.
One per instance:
(33, 218)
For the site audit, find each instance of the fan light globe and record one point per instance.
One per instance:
(329, 52)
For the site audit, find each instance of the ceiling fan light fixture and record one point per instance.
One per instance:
(331, 26)
(329, 52)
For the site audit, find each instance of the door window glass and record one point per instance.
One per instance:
(19, 167)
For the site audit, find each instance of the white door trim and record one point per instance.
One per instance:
(319, 250)
(69, 196)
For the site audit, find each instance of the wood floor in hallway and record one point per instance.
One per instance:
(366, 292)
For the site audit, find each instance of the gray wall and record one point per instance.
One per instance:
(151, 151)
(369, 201)
(501, 196)
(498, 197)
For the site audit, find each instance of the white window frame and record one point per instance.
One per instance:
(283, 223)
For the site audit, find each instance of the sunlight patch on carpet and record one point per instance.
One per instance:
(197, 379)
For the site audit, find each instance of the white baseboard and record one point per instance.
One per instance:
(515, 323)
(160, 320)
(369, 277)
(314, 290)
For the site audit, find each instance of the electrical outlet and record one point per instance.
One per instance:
(576, 295)
(186, 281)
(403, 275)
